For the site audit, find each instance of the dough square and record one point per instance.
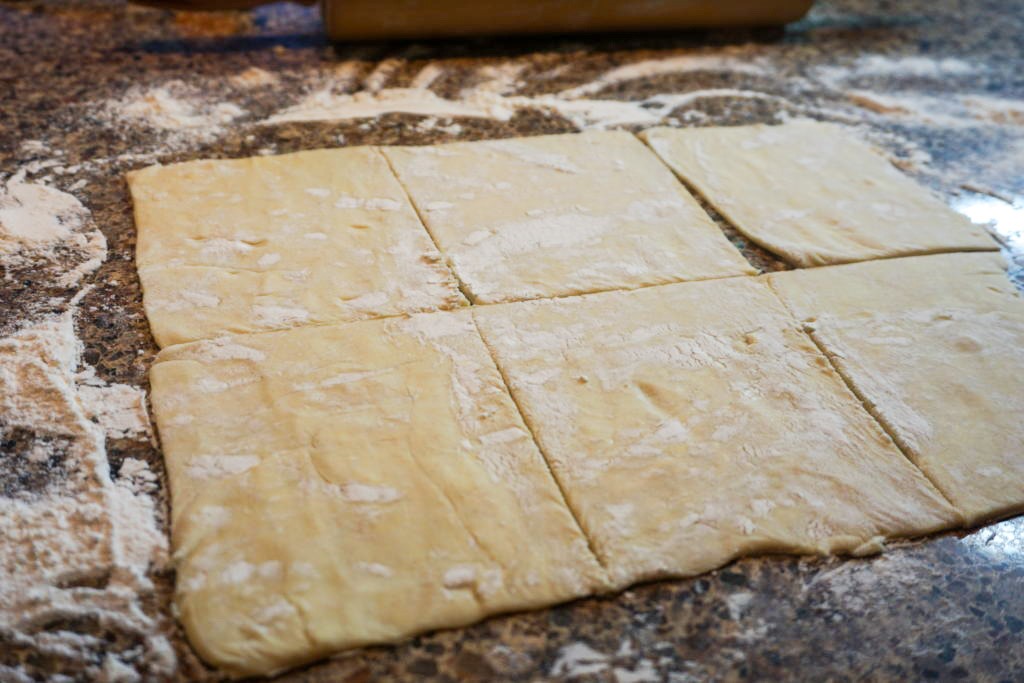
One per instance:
(255, 244)
(694, 423)
(813, 194)
(346, 485)
(934, 345)
(561, 214)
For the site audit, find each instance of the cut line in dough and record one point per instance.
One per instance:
(693, 423)
(561, 215)
(247, 245)
(934, 346)
(342, 486)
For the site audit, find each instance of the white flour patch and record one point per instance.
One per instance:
(119, 409)
(579, 659)
(860, 587)
(671, 65)
(582, 112)
(75, 546)
(176, 110)
(907, 67)
(461, 576)
(46, 229)
(493, 95)
(279, 316)
(737, 604)
(325, 105)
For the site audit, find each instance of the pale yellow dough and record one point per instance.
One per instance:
(274, 242)
(694, 423)
(562, 214)
(813, 194)
(348, 485)
(935, 346)
(339, 485)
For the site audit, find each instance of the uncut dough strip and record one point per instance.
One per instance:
(265, 243)
(813, 194)
(561, 214)
(694, 423)
(934, 345)
(349, 485)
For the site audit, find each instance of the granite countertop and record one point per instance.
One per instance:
(92, 89)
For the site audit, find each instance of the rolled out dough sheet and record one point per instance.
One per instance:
(273, 242)
(935, 347)
(694, 423)
(561, 214)
(813, 194)
(347, 485)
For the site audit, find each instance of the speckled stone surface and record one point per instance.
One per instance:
(947, 608)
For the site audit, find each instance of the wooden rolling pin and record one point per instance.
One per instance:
(380, 19)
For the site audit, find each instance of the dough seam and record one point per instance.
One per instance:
(865, 403)
(472, 305)
(608, 290)
(706, 203)
(463, 288)
(870, 408)
(937, 251)
(705, 200)
(591, 546)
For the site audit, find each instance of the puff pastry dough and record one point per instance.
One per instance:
(561, 214)
(813, 194)
(693, 423)
(274, 242)
(348, 485)
(338, 485)
(935, 347)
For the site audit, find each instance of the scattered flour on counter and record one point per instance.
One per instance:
(32, 214)
(908, 67)
(584, 113)
(493, 95)
(159, 108)
(948, 111)
(176, 110)
(671, 65)
(325, 105)
(579, 660)
(42, 227)
(119, 409)
(867, 585)
(737, 604)
(905, 87)
(75, 546)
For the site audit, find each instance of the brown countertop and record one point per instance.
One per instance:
(92, 89)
